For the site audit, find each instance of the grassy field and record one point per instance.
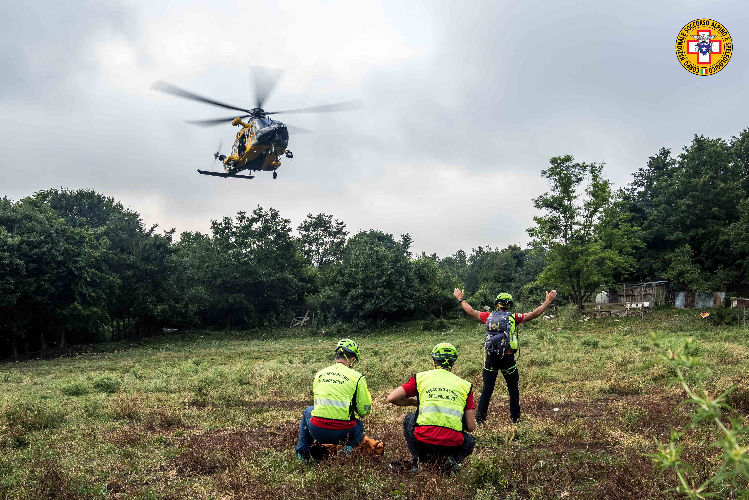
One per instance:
(211, 415)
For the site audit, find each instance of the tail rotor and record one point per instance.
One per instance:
(217, 155)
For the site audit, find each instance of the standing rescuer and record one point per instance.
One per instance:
(500, 346)
(339, 393)
(444, 410)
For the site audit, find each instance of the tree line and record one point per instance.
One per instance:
(78, 267)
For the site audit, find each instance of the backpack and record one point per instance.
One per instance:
(500, 333)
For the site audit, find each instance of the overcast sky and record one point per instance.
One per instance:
(465, 102)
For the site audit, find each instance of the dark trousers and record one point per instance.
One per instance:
(309, 433)
(493, 365)
(422, 451)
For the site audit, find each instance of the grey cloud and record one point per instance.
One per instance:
(48, 47)
(496, 88)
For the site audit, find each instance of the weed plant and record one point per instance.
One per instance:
(730, 479)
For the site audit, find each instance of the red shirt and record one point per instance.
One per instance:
(327, 423)
(518, 317)
(434, 434)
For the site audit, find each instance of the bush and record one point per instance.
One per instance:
(337, 329)
(433, 324)
(589, 342)
(724, 316)
(488, 472)
(127, 408)
(107, 384)
(34, 416)
(10, 378)
(75, 388)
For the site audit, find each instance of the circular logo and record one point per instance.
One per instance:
(704, 47)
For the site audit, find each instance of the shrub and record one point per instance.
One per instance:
(434, 324)
(10, 378)
(91, 408)
(205, 383)
(75, 388)
(337, 329)
(34, 416)
(488, 472)
(724, 316)
(589, 342)
(127, 408)
(107, 384)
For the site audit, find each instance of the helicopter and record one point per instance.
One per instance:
(261, 141)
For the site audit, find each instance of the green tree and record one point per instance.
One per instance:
(434, 286)
(12, 270)
(585, 232)
(684, 271)
(141, 259)
(377, 278)
(257, 271)
(692, 201)
(62, 283)
(497, 271)
(322, 239)
(456, 265)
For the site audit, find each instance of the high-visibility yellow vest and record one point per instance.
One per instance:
(339, 393)
(442, 399)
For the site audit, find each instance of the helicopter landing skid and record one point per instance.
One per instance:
(225, 175)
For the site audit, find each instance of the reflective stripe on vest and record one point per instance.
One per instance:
(441, 409)
(442, 399)
(331, 402)
(335, 392)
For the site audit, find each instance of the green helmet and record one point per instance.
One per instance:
(347, 347)
(504, 300)
(444, 354)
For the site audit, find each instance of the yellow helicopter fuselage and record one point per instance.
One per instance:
(258, 146)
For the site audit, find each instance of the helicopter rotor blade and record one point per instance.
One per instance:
(297, 130)
(215, 121)
(264, 80)
(171, 89)
(325, 108)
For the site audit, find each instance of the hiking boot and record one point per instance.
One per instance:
(415, 465)
(451, 465)
(302, 457)
(347, 450)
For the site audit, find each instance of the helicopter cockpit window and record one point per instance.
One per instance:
(261, 123)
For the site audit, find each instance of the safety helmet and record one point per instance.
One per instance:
(504, 300)
(347, 347)
(444, 354)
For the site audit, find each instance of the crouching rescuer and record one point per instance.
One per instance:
(339, 393)
(444, 411)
